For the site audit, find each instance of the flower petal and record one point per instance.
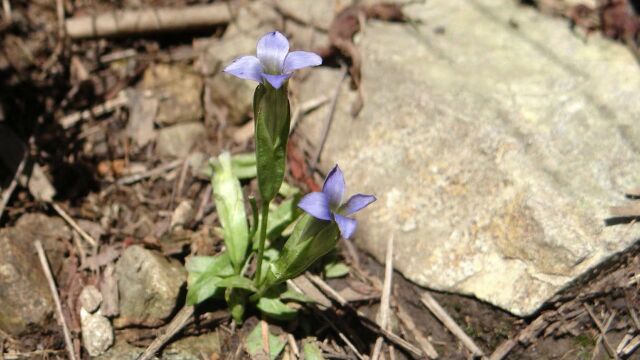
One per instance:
(334, 186)
(346, 225)
(300, 59)
(276, 80)
(272, 50)
(246, 67)
(316, 204)
(357, 202)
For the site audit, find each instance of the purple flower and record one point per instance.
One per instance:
(327, 204)
(274, 63)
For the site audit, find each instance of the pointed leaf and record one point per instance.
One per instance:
(272, 117)
(230, 207)
(335, 270)
(276, 309)
(203, 280)
(311, 239)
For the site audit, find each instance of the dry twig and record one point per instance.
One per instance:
(54, 293)
(178, 323)
(74, 225)
(440, 313)
(524, 337)
(148, 20)
(385, 298)
(603, 330)
(372, 325)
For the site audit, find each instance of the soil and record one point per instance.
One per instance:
(45, 77)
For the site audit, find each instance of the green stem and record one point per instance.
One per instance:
(261, 240)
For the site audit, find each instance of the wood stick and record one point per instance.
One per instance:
(74, 225)
(440, 313)
(372, 325)
(631, 346)
(54, 292)
(129, 22)
(625, 211)
(524, 337)
(408, 322)
(177, 323)
(633, 191)
(385, 299)
(603, 331)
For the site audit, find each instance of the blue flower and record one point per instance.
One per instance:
(274, 63)
(327, 204)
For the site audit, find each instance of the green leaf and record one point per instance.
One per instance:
(311, 350)
(204, 275)
(272, 116)
(230, 206)
(243, 166)
(311, 239)
(255, 347)
(237, 281)
(295, 296)
(335, 270)
(276, 309)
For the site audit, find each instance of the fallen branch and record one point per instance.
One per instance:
(178, 323)
(129, 22)
(524, 337)
(603, 330)
(440, 313)
(54, 293)
(414, 351)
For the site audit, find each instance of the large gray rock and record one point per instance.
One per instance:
(149, 285)
(26, 304)
(495, 148)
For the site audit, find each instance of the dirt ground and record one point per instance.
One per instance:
(46, 77)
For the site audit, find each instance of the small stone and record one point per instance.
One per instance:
(25, 302)
(90, 298)
(182, 215)
(179, 140)
(178, 90)
(193, 348)
(149, 285)
(97, 332)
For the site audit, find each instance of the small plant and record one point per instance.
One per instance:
(317, 228)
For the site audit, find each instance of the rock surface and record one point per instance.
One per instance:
(149, 285)
(179, 140)
(25, 298)
(494, 150)
(179, 93)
